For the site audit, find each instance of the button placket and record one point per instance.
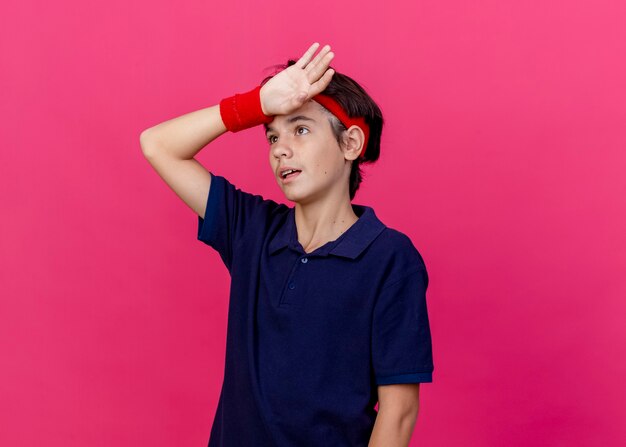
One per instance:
(291, 284)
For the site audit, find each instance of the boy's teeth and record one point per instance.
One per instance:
(291, 171)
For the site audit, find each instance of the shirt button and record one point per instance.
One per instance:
(304, 260)
(292, 286)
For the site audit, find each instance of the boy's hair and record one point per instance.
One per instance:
(356, 102)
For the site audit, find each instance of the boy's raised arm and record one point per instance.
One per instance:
(170, 148)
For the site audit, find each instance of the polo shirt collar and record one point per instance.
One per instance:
(350, 244)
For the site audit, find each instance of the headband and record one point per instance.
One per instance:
(336, 109)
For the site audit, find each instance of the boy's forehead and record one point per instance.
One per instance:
(310, 109)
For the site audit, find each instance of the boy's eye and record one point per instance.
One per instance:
(271, 141)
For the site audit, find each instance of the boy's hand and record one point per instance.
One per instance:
(292, 87)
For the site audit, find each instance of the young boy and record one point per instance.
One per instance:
(327, 312)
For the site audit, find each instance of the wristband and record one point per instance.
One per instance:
(243, 110)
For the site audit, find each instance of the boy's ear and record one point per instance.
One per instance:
(355, 139)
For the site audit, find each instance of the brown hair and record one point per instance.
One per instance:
(356, 102)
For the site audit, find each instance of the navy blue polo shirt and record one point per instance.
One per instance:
(311, 335)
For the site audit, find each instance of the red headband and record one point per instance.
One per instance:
(336, 109)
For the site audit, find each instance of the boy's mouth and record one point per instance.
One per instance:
(289, 174)
(287, 171)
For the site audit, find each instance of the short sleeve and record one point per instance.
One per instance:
(230, 214)
(401, 340)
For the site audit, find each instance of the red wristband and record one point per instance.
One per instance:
(243, 110)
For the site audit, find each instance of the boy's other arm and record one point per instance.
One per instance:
(170, 148)
(398, 406)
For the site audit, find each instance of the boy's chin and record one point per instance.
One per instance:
(293, 195)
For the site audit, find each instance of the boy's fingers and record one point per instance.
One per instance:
(315, 73)
(306, 57)
(313, 65)
(321, 85)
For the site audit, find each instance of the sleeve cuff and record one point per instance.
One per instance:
(206, 225)
(405, 378)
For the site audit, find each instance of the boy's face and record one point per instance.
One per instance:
(307, 144)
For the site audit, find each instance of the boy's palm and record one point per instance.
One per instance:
(292, 87)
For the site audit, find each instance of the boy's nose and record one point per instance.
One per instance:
(282, 148)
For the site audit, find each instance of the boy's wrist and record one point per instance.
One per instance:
(243, 110)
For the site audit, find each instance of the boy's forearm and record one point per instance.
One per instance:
(184, 136)
(393, 429)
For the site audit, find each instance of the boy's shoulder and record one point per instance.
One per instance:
(389, 244)
(396, 253)
(398, 244)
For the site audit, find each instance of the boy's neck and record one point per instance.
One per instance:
(320, 223)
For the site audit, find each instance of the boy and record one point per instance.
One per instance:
(327, 312)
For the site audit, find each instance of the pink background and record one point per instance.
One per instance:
(502, 158)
